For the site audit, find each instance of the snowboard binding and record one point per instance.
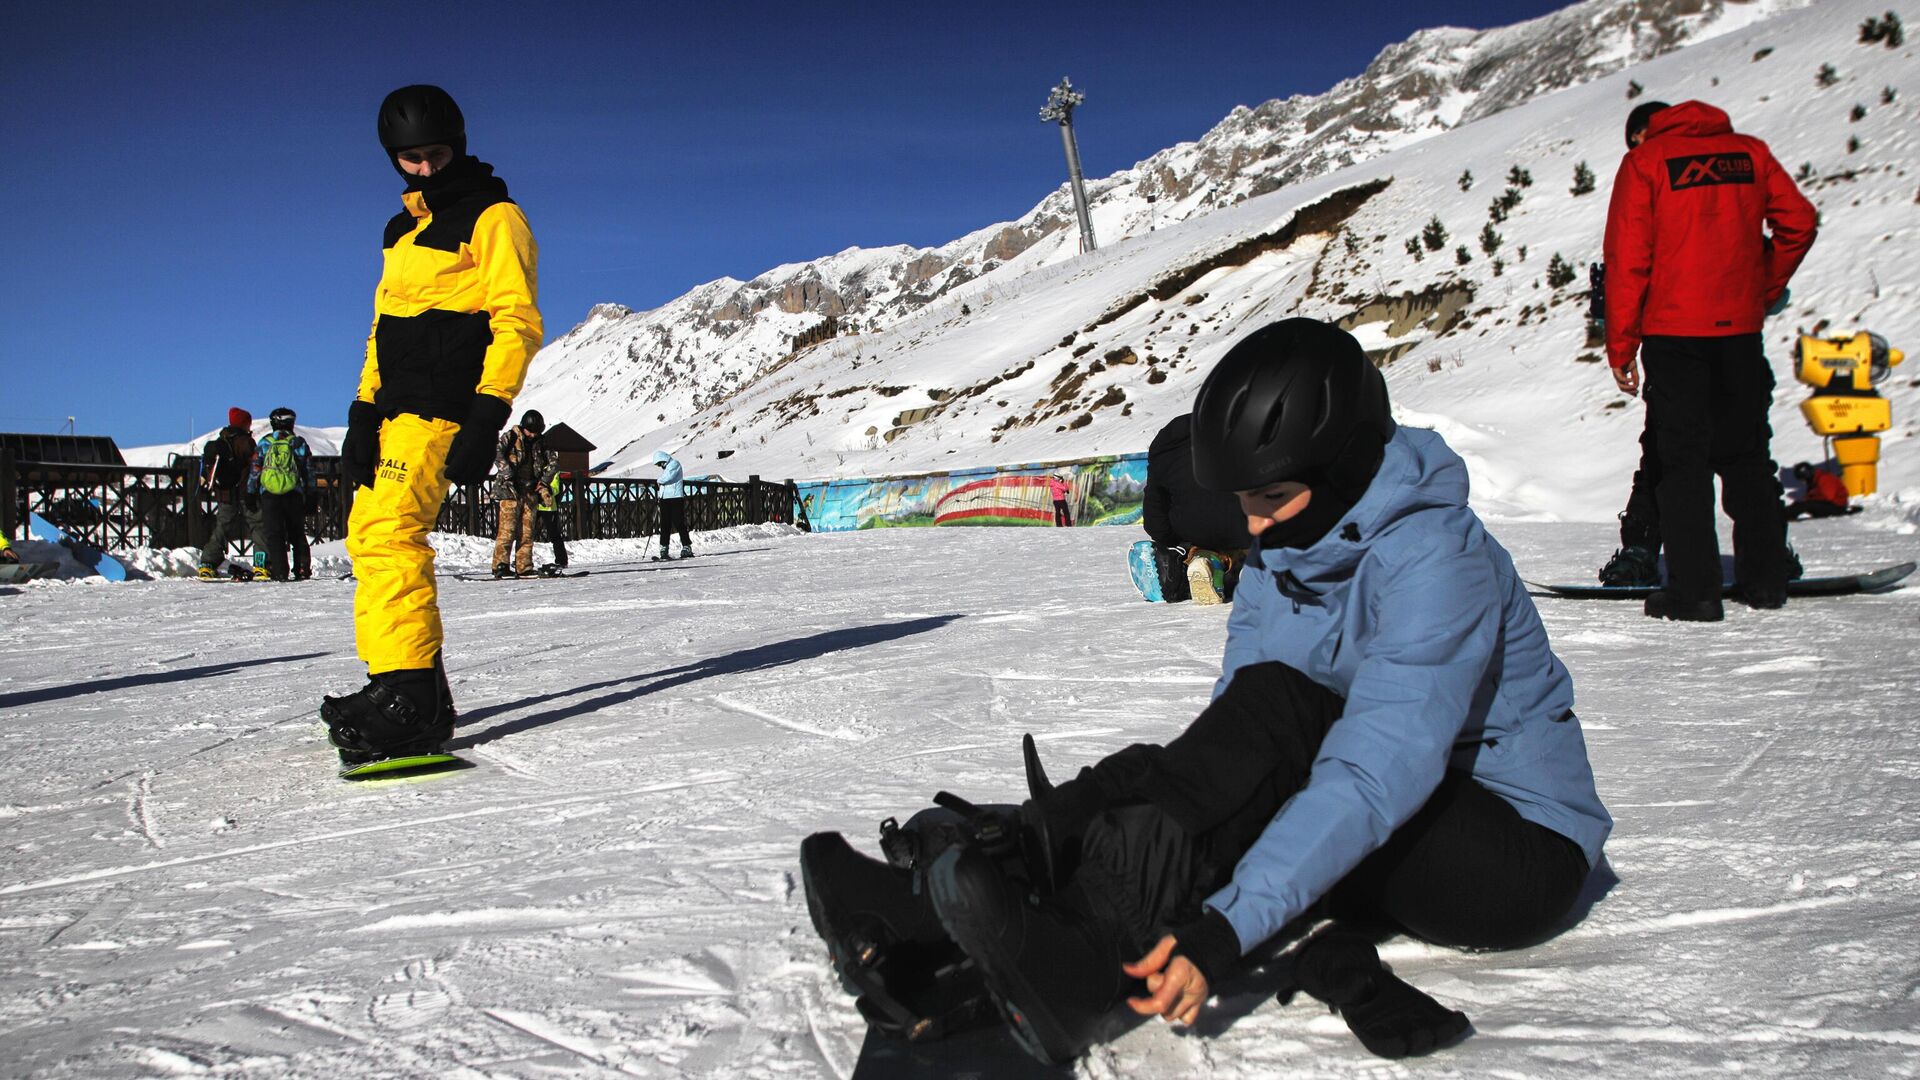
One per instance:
(397, 714)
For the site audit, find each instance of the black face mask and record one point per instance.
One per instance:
(461, 168)
(1305, 529)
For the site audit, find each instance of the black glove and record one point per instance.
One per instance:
(471, 456)
(253, 503)
(1391, 1018)
(1210, 944)
(360, 450)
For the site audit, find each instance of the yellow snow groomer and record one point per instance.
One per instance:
(1845, 408)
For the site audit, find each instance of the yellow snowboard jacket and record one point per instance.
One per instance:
(457, 312)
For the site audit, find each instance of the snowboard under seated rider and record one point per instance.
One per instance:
(1391, 746)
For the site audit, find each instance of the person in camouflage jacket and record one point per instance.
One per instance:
(521, 464)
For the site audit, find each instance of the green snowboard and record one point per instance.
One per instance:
(416, 763)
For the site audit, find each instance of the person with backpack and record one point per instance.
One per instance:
(281, 484)
(521, 465)
(673, 504)
(225, 465)
(456, 324)
(1391, 745)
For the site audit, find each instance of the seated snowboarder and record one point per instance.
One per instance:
(1825, 495)
(1391, 745)
(1188, 523)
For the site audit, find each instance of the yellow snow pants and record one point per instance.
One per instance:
(396, 606)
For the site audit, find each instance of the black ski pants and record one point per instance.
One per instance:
(1707, 400)
(283, 523)
(1465, 871)
(673, 518)
(231, 521)
(549, 527)
(1640, 521)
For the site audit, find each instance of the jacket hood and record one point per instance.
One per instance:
(661, 457)
(1690, 120)
(1418, 471)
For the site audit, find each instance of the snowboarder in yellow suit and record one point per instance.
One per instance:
(456, 321)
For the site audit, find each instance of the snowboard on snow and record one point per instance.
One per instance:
(1834, 585)
(516, 577)
(84, 553)
(13, 573)
(981, 1053)
(1145, 572)
(413, 764)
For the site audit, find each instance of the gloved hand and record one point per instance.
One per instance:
(1780, 302)
(360, 450)
(471, 455)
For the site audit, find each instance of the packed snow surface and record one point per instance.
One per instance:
(611, 890)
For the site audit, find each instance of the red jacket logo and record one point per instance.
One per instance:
(1705, 169)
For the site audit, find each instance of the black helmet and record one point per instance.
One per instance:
(422, 116)
(280, 419)
(533, 421)
(1294, 400)
(1641, 116)
(1803, 472)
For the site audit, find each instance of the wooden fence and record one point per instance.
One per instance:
(120, 507)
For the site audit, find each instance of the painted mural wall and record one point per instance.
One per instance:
(1102, 491)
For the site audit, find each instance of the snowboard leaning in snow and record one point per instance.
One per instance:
(1144, 571)
(1836, 585)
(413, 763)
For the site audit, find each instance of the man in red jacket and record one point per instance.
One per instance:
(1826, 495)
(1690, 276)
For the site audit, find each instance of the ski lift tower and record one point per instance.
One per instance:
(1060, 105)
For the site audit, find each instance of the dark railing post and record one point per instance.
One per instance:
(190, 500)
(9, 495)
(754, 503)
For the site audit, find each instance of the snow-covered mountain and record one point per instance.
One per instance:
(1009, 346)
(322, 442)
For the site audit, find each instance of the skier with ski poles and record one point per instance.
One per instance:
(1391, 744)
(456, 322)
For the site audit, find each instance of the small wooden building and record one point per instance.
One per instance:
(572, 448)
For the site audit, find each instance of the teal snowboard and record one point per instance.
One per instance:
(1835, 585)
(1143, 571)
(412, 765)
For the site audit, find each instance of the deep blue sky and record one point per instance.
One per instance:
(194, 192)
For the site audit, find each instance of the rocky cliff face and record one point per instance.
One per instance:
(625, 373)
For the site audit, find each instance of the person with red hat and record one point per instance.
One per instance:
(224, 466)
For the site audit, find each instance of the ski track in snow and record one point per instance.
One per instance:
(612, 890)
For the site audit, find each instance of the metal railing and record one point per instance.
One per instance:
(120, 507)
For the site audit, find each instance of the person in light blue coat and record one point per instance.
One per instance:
(673, 504)
(1391, 745)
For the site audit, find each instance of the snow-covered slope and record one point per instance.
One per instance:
(1052, 355)
(613, 890)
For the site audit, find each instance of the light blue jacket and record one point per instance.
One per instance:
(1410, 611)
(670, 476)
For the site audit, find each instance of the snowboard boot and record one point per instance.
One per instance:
(397, 714)
(1171, 562)
(686, 552)
(1662, 604)
(552, 570)
(887, 945)
(1207, 579)
(1390, 1018)
(303, 574)
(1052, 970)
(1636, 566)
(502, 570)
(206, 573)
(240, 573)
(261, 573)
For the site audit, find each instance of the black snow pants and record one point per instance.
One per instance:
(1707, 400)
(1465, 871)
(1640, 521)
(673, 518)
(283, 523)
(549, 527)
